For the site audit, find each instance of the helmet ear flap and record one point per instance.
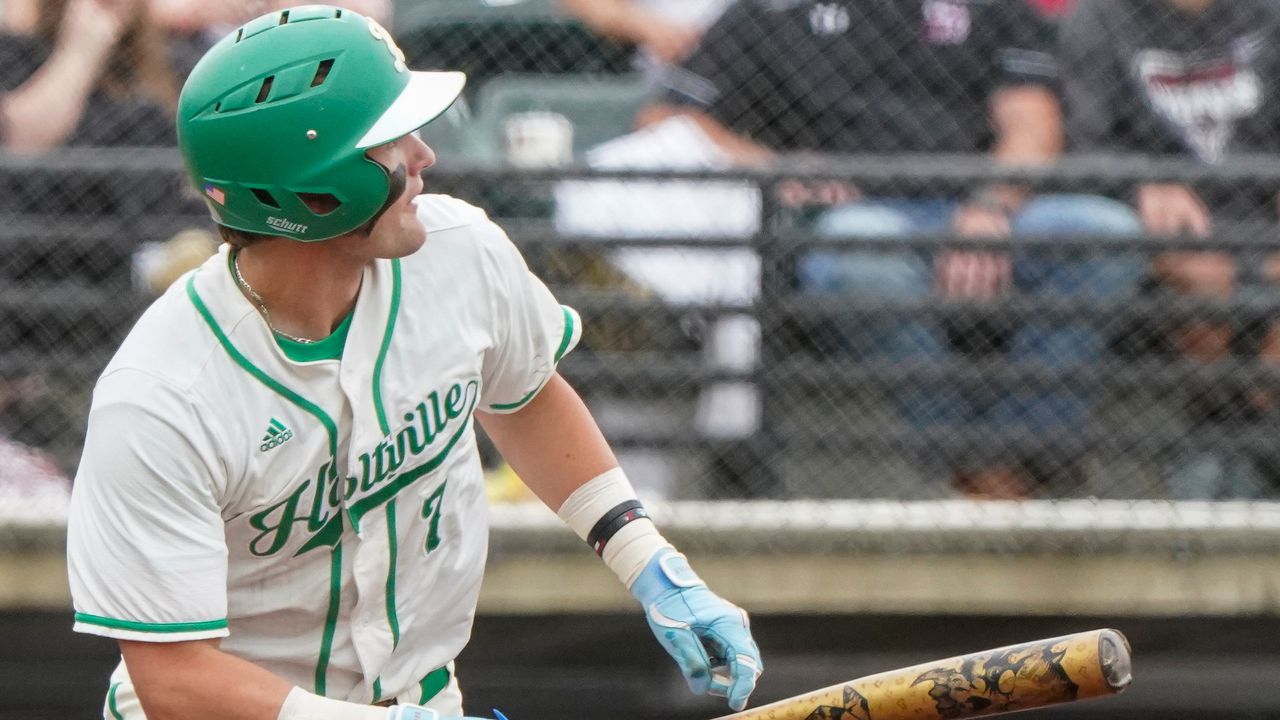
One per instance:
(397, 180)
(364, 185)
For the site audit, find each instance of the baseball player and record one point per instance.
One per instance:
(280, 510)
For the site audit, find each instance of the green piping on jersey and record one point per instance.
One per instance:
(151, 627)
(377, 690)
(568, 334)
(331, 619)
(386, 346)
(393, 621)
(522, 401)
(111, 702)
(433, 683)
(560, 351)
(329, 348)
(393, 548)
(257, 372)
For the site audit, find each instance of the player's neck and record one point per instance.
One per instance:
(308, 289)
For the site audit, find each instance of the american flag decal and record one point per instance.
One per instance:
(215, 194)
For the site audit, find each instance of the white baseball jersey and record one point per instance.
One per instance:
(328, 518)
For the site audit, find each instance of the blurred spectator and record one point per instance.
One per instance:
(1192, 78)
(192, 17)
(1052, 9)
(916, 76)
(195, 25)
(156, 265)
(94, 73)
(664, 31)
(198, 16)
(29, 478)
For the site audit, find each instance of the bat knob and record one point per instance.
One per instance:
(1114, 656)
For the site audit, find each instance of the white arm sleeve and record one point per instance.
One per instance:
(532, 331)
(146, 551)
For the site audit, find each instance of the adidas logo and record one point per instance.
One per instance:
(277, 435)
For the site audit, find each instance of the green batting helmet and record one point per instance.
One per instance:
(275, 119)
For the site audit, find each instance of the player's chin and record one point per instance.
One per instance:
(412, 235)
(399, 232)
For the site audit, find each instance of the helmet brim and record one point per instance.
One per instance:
(424, 99)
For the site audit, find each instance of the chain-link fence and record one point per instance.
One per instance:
(827, 251)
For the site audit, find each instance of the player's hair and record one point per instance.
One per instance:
(240, 239)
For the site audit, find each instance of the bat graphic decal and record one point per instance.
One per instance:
(855, 708)
(1008, 680)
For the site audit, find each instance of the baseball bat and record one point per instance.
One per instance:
(1018, 677)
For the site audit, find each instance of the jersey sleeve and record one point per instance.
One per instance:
(146, 549)
(532, 331)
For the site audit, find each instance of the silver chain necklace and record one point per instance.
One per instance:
(262, 304)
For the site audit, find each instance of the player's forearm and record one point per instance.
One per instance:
(197, 681)
(552, 443)
(556, 447)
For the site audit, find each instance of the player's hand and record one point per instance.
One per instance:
(417, 712)
(709, 637)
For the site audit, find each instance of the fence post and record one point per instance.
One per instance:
(753, 463)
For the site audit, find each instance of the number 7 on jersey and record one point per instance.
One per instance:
(431, 510)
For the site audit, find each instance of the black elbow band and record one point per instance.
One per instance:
(613, 521)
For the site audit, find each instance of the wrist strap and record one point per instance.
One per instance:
(611, 522)
(605, 513)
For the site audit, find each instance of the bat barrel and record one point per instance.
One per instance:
(1017, 677)
(1115, 659)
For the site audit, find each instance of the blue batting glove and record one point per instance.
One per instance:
(416, 712)
(709, 637)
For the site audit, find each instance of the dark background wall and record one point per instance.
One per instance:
(558, 667)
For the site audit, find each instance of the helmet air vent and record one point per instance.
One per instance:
(337, 15)
(320, 203)
(265, 90)
(265, 198)
(284, 18)
(322, 72)
(239, 34)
